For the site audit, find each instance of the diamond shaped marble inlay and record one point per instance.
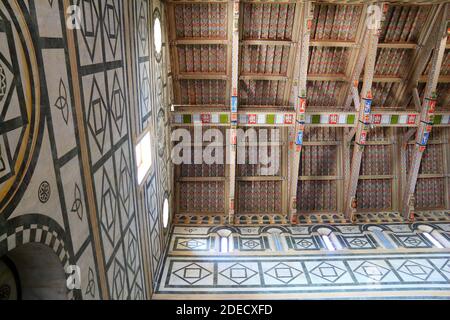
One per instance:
(372, 271)
(283, 272)
(251, 244)
(412, 242)
(304, 243)
(238, 273)
(328, 272)
(192, 273)
(446, 266)
(192, 244)
(359, 242)
(415, 269)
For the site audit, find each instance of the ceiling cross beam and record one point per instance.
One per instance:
(351, 94)
(426, 116)
(363, 118)
(235, 34)
(300, 109)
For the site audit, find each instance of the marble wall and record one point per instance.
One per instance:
(75, 98)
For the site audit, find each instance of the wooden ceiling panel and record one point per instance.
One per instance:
(268, 21)
(262, 93)
(445, 69)
(328, 60)
(335, 22)
(202, 58)
(201, 20)
(404, 23)
(259, 197)
(393, 62)
(203, 50)
(202, 92)
(264, 59)
(324, 93)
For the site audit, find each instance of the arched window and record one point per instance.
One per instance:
(225, 241)
(276, 238)
(157, 34)
(433, 236)
(144, 157)
(382, 237)
(330, 240)
(166, 214)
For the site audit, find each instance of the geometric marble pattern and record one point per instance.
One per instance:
(191, 244)
(421, 274)
(359, 242)
(304, 268)
(305, 243)
(251, 244)
(304, 238)
(412, 241)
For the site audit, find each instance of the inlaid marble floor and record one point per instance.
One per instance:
(400, 262)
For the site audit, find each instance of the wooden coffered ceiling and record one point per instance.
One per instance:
(269, 52)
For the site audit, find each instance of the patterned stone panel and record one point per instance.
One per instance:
(97, 115)
(347, 276)
(57, 185)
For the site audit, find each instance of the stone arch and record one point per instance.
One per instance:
(36, 247)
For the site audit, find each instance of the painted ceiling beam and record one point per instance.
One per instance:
(280, 118)
(363, 118)
(426, 117)
(233, 109)
(200, 41)
(296, 140)
(356, 58)
(194, 1)
(352, 44)
(440, 79)
(269, 77)
(263, 42)
(353, 2)
(333, 43)
(200, 76)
